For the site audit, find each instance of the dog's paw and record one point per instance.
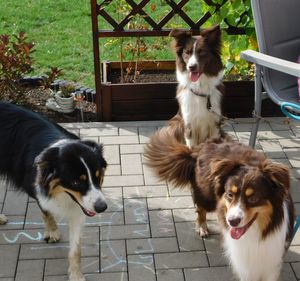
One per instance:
(3, 219)
(52, 236)
(76, 276)
(203, 230)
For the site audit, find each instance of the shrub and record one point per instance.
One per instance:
(15, 61)
(51, 76)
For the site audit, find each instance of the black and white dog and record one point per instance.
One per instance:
(63, 173)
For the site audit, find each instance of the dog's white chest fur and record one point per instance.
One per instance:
(254, 259)
(201, 120)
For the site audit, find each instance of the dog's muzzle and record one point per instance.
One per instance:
(100, 206)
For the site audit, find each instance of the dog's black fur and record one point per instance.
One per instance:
(52, 165)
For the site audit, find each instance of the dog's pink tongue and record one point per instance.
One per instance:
(237, 232)
(90, 213)
(194, 76)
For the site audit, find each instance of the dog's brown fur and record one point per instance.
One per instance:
(207, 167)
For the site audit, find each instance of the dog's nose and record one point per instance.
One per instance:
(193, 67)
(234, 222)
(100, 206)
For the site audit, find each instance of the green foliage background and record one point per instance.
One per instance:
(61, 31)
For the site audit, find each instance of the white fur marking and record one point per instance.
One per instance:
(235, 213)
(93, 194)
(254, 259)
(193, 59)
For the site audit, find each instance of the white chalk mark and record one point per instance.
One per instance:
(39, 237)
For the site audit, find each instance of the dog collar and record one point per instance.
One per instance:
(208, 104)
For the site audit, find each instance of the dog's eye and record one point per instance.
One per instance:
(253, 199)
(187, 52)
(229, 196)
(78, 184)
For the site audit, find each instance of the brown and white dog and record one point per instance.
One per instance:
(249, 192)
(199, 72)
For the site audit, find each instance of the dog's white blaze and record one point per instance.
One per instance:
(93, 194)
(235, 213)
(193, 59)
(254, 259)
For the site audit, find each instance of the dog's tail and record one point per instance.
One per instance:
(171, 160)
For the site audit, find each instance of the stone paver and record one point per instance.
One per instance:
(152, 245)
(131, 164)
(188, 238)
(161, 223)
(148, 231)
(8, 260)
(113, 256)
(141, 268)
(170, 275)
(145, 191)
(30, 270)
(181, 260)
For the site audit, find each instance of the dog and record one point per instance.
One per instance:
(199, 72)
(63, 173)
(249, 192)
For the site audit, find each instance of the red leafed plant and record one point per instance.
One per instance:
(15, 61)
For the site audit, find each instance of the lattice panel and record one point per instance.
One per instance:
(149, 25)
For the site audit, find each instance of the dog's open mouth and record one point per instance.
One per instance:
(87, 212)
(194, 75)
(237, 232)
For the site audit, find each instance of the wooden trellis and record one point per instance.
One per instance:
(155, 28)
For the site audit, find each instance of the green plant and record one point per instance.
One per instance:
(236, 14)
(15, 61)
(67, 89)
(51, 76)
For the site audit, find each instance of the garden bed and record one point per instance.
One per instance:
(36, 97)
(152, 95)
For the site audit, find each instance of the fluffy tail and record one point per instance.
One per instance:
(171, 160)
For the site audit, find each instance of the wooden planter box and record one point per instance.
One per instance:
(156, 100)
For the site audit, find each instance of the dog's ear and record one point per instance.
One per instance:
(47, 158)
(179, 38)
(98, 150)
(212, 37)
(178, 34)
(278, 173)
(219, 171)
(95, 146)
(46, 164)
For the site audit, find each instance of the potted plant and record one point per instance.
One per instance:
(65, 97)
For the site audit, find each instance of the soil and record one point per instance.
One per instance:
(36, 100)
(143, 76)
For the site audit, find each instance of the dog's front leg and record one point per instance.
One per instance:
(201, 225)
(201, 222)
(188, 135)
(76, 223)
(52, 233)
(3, 219)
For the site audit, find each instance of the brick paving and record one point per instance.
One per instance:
(147, 232)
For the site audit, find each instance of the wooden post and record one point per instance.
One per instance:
(95, 34)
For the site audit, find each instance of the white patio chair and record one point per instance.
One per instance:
(277, 25)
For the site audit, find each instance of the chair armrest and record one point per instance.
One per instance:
(281, 65)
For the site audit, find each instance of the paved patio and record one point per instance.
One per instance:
(147, 233)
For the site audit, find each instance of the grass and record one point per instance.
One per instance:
(61, 31)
